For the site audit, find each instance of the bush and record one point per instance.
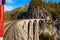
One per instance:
(46, 37)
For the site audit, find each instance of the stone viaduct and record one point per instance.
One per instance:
(30, 29)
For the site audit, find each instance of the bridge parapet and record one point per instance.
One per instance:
(27, 20)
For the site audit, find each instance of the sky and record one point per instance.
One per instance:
(12, 4)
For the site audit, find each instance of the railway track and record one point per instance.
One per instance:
(8, 29)
(14, 31)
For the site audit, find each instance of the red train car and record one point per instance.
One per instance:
(2, 2)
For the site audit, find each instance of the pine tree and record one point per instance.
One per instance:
(35, 3)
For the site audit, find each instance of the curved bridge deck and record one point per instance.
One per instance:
(27, 29)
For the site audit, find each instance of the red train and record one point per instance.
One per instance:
(2, 2)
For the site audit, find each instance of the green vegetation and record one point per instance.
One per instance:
(14, 16)
(35, 3)
(52, 7)
(46, 37)
(7, 17)
(20, 13)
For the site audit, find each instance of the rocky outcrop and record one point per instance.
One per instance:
(47, 26)
(57, 24)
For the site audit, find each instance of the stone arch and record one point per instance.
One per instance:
(41, 24)
(30, 31)
(24, 25)
(34, 28)
(29, 24)
(24, 30)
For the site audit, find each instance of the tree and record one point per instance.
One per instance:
(35, 3)
(46, 37)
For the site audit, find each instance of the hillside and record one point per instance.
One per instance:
(21, 12)
(15, 13)
(52, 7)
